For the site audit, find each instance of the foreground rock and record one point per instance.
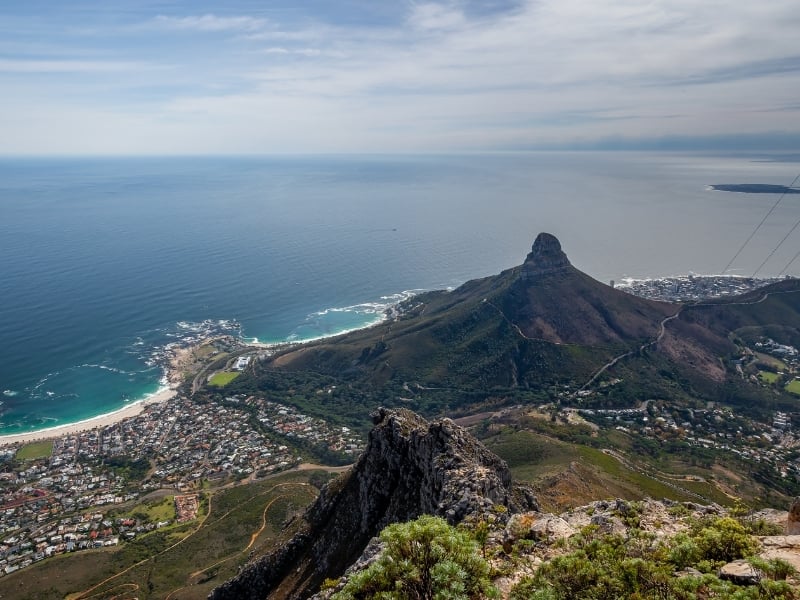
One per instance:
(740, 572)
(410, 467)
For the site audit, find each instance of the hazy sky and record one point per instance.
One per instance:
(242, 76)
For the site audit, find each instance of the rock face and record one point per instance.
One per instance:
(545, 257)
(793, 520)
(410, 467)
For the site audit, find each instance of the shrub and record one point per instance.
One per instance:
(723, 540)
(425, 559)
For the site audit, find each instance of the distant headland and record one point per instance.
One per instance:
(754, 188)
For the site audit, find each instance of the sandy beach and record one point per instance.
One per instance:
(96, 422)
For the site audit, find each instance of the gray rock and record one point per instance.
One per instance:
(410, 467)
(545, 257)
(740, 572)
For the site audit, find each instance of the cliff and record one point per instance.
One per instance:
(546, 257)
(410, 467)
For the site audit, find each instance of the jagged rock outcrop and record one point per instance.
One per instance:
(410, 467)
(545, 257)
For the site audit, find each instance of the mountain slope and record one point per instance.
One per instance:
(527, 326)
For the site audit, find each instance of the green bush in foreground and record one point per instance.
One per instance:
(425, 559)
(611, 567)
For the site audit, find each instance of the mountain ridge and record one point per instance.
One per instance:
(410, 467)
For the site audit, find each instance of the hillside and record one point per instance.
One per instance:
(541, 322)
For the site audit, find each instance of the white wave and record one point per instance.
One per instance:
(378, 311)
(386, 303)
(10, 393)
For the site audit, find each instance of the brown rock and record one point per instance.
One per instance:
(793, 520)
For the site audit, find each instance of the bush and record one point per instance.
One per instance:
(612, 567)
(723, 540)
(423, 559)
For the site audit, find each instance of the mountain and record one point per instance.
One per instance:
(544, 328)
(535, 324)
(410, 467)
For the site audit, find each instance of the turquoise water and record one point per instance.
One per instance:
(105, 261)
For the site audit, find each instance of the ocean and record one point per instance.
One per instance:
(104, 261)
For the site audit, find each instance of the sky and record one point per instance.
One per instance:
(165, 77)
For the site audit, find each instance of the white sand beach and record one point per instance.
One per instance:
(96, 422)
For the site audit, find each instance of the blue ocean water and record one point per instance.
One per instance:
(104, 261)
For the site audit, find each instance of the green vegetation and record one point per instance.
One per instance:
(35, 450)
(222, 379)
(133, 471)
(768, 377)
(424, 559)
(793, 387)
(606, 567)
(155, 511)
(531, 455)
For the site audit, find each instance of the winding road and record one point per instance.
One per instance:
(663, 330)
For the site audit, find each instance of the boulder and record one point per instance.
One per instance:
(740, 572)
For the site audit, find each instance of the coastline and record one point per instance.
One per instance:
(179, 360)
(97, 422)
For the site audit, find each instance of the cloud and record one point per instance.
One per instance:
(211, 23)
(434, 16)
(438, 76)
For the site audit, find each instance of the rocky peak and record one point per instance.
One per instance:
(545, 257)
(410, 467)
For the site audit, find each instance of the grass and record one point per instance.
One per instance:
(530, 455)
(223, 379)
(159, 511)
(648, 485)
(793, 387)
(771, 360)
(768, 377)
(35, 450)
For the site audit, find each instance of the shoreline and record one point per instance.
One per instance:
(98, 422)
(177, 362)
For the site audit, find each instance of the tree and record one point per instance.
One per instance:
(425, 559)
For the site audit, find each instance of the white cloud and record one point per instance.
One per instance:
(433, 16)
(548, 72)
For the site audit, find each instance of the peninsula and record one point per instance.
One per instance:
(755, 188)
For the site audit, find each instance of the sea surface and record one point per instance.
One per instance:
(105, 261)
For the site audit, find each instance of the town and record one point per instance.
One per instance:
(82, 491)
(691, 288)
(774, 446)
